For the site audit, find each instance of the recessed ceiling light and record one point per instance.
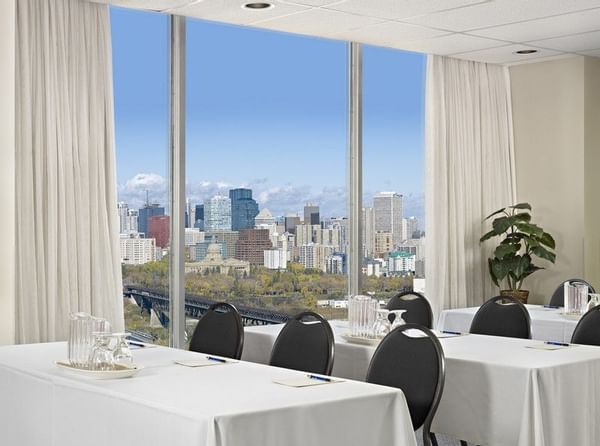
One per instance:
(526, 51)
(258, 5)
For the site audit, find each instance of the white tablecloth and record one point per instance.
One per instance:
(498, 392)
(547, 324)
(168, 404)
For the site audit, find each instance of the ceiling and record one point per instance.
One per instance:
(481, 30)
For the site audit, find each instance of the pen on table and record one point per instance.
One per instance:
(137, 344)
(562, 344)
(320, 378)
(551, 306)
(452, 332)
(212, 358)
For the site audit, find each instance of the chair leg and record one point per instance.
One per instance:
(433, 439)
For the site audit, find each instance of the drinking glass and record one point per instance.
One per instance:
(122, 353)
(581, 291)
(101, 358)
(382, 325)
(80, 335)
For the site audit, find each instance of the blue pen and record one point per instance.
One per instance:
(551, 306)
(320, 378)
(452, 332)
(137, 344)
(562, 344)
(212, 358)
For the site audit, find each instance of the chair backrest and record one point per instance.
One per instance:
(587, 330)
(219, 332)
(502, 316)
(305, 343)
(418, 309)
(558, 297)
(413, 362)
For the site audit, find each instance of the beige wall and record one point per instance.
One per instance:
(7, 170)
(554, 151)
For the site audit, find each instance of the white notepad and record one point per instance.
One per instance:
(203, 361)
(305, 381)
(543, 346)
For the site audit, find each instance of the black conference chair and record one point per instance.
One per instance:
(587, 330)
(305, 343)
(502, 316)
(558, 297)
(415, 365)
(219, 332)
(418, 309)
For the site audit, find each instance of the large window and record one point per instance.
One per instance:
(393, 171)
(140, 68)
(266, 146)
(266, 171)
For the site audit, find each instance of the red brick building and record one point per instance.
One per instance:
(251, 245)
(159, 227)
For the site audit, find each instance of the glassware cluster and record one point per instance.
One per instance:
(92, 346)
(367, 320)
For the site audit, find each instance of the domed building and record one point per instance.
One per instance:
(214, 262)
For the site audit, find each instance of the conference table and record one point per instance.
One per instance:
(498, 391)
(547, 324)
(226, 404)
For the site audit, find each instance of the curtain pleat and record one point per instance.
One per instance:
(469, 174)
(67, 226)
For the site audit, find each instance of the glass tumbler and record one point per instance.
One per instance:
(122, 353)
(101, 358)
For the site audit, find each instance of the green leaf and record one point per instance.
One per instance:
(499, 211)
(530, 229)
(487, 236)
(490, 262)
(504, 250)
(522, 216)
(501, 224)
(521, 206)
(542, 252)
(498, 269)
(547, 240)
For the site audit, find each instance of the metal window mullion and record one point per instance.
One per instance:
(355, 168)
(177, 182)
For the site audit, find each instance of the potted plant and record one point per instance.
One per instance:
(520, 241)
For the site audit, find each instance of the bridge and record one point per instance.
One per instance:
(195, 306)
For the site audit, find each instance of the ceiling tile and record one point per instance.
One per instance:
(556, 26)
(154, 5)
(396, 9)
(232, 11)
(390, 34)
(449, 44)
(575, 43)
(318, 22)
(505, 54)
(500, 12)
(313, 2)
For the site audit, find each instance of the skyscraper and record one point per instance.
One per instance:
(311, 214)
(122, 209)
(243, 209)
(149, 210)
(387, 214)
(217, 214)
(251, 245)
(199, 216)
(158, 229)
(368, 231)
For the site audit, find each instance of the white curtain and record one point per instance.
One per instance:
(470, 173)
(67, 230)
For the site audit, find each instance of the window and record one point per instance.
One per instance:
(141, 133)
(266, 148)
(393, 171)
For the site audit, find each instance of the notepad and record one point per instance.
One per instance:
(305, 381)
(203, 362)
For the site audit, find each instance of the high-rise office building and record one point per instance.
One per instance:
(275, 258)
(368, 232)
(217, 214)
(122, 209)
(159, 227)
(149, 210)
(311, 214)
(291, 221)
(251, 245)
(131, 223)
(136, 250)
(243, 209)
(199, 217)
(313, 255)
(190, 212)
(227, 239)
(387, 214)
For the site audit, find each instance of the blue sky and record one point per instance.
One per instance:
(265, 110)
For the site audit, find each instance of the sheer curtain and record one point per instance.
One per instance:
(470, 173)
(67, 231)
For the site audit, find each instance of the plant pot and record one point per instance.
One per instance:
(521, 295)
